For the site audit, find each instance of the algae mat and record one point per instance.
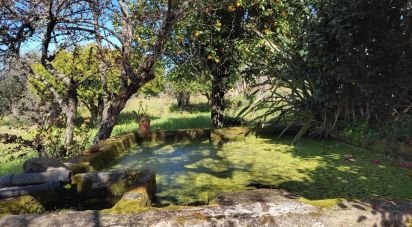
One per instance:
(194, 173)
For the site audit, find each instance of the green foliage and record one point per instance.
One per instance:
(81, 65)
(363, 133)
(51, 140)
(399, 129)
(359, 131)
(180, 79)
(338, 61)
(157, 85)
(353, 57)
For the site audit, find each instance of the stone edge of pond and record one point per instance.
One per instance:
(99, 156)
(261, 207)
(102, 154)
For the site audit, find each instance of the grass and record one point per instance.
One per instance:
(317, 170)
(196, 173)
(9, 163)
(163, 113)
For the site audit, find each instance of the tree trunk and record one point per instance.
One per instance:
(95, 110)
(217, 99)
(68, 133)
(207, 95)
(132, 80)
(94, 115)
(71, 110)
(183, 99)
(110, 115)
(70, 123)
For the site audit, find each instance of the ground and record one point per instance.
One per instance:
(250, 208)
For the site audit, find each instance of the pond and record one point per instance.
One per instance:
(194, 173)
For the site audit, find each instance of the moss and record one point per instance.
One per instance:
(82, 185)
(78, 167)
(127, 206)
(118, 188)
(21, 205)
(408, 222)
(317, 170)
(324, 203)
(100, 155)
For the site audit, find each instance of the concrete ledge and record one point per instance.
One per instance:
(174, 135)
(102, 154)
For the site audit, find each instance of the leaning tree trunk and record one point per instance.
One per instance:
(132, 80)
(110, 115)
(217, 100)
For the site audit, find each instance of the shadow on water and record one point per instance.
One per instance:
(187, 173)
(380, 187)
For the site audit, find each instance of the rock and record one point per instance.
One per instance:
(57, 174)
(43, 164)
(261, 207)
(135, 188)
(131, 202)
(117, 183)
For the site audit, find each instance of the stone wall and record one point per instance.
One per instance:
(101, 155)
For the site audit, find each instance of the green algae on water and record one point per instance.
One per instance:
(195, 173)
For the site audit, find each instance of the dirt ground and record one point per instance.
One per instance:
(261, 207)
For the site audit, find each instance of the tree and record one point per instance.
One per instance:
(57, 24)
(208, 41)
(342, 60)
(142, 30)
(183, 83)
(115, 27)
(82, 64)
(367, 48)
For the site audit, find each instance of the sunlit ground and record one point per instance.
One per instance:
(195, 173)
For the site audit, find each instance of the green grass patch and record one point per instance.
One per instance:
(195, 173)
(10, 163)
(163, 115)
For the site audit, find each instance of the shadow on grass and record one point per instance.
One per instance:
(195, 173)
(337, 177)
(381, 188)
